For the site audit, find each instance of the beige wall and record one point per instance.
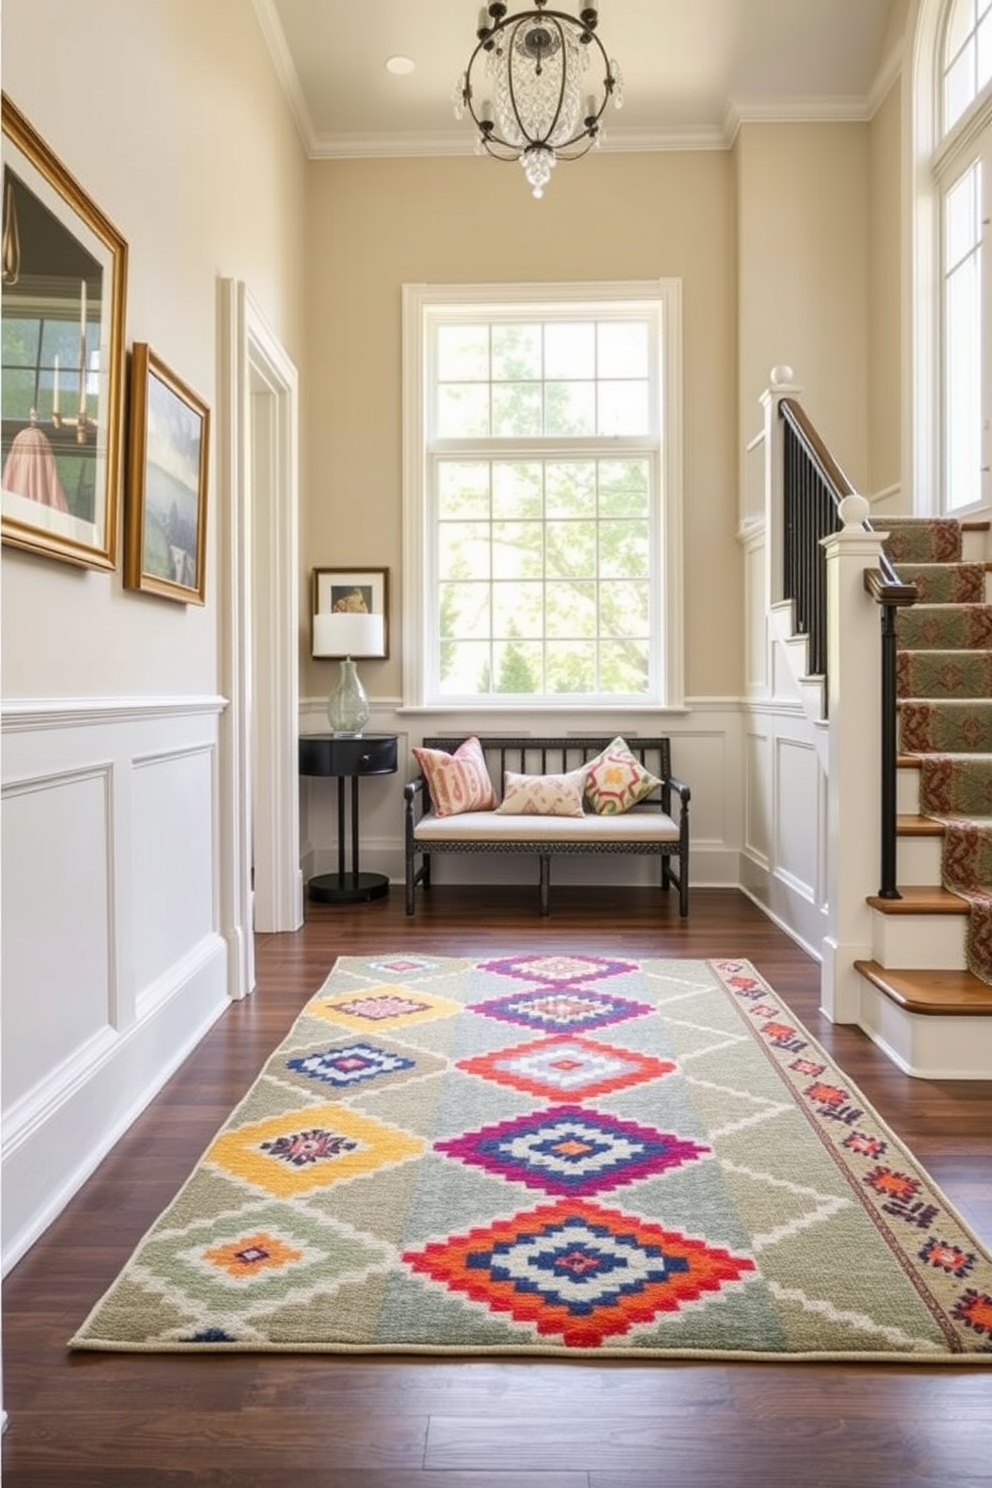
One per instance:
(803, 276)
(169, 114)
(376, 224)
(886, 346)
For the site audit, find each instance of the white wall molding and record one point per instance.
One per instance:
(110, 836)
(80, 1112)
(22, 714)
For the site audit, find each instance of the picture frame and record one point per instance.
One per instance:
(359, 590)
(167, 473)
(64, 271)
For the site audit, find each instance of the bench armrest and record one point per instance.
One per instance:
(668, 785)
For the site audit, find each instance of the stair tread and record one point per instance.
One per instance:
(937, 993)
(918, 826)
(921, 899)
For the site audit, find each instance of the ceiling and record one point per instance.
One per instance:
(692, 69)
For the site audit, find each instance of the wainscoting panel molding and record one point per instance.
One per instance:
(114, 965)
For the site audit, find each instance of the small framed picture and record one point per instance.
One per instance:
(166, 504)
(350, 612)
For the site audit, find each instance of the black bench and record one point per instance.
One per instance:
(648, 828)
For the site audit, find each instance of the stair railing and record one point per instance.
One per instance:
(884, 586)
(813, 487)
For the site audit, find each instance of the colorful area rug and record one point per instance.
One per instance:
(567, 1155)
(944, 685)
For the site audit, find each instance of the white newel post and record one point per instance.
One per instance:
(853, 848)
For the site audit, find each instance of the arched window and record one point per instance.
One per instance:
(952, 148)
(967, 62)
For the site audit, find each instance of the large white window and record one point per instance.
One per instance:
(542, 495)
(963, 157)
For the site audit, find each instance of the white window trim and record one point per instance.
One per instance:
(417, 300)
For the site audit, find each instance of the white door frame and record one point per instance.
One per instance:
(259, 825)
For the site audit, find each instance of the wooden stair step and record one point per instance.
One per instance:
(936, 993)
(921, 899)
(918, 826)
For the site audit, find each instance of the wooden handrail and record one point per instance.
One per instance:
(815, 448)
(886, 591)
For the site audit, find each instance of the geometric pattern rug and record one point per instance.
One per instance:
(580, 1156)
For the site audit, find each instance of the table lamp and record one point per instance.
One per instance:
(341, 634)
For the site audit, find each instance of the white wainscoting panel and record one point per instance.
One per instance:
(757, 796)
(783, 856)
(796, 772)
(172, 857)
(57, 923)
(113, 963)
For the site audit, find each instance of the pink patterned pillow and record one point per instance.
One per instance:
(616, 780)
(457, 782)
(543, 795)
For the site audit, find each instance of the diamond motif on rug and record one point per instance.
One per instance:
(559, 971)
(352, 1065)
(346, 1067)
(561, 1011)
(578, 1271)
(235, 1264)
(383, 1006)
(570, 1150)
(298, 1151)
(579, 1067)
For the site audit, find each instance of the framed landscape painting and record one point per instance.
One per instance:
(166, 508)
(64, 271)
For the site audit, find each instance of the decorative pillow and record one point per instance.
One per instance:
(543, 795)
(457, 782)
(616, 780)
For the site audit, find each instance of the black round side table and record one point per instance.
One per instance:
(347, 759)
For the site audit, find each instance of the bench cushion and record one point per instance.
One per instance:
(642, 824)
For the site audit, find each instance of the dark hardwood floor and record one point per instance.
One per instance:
(109, 1420)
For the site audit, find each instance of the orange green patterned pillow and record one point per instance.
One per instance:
(616, 780)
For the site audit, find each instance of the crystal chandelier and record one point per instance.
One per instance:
(533, 89)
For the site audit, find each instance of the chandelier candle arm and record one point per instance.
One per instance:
(526, 89)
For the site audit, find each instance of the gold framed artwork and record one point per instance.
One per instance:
(167, 465)
(64, 274)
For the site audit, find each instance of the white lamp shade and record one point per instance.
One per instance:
(348, 634)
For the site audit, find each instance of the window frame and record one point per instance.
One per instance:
(423, 306)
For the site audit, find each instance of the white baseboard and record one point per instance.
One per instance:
(46, 1159)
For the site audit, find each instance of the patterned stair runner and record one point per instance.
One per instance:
(944, 686)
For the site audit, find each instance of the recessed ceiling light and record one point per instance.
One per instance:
(400, 65)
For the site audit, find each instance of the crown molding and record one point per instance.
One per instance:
(461, 143)
(289, 78)
(887, 75)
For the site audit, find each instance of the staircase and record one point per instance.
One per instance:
(927, 989)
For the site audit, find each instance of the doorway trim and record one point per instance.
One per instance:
(258, 829)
